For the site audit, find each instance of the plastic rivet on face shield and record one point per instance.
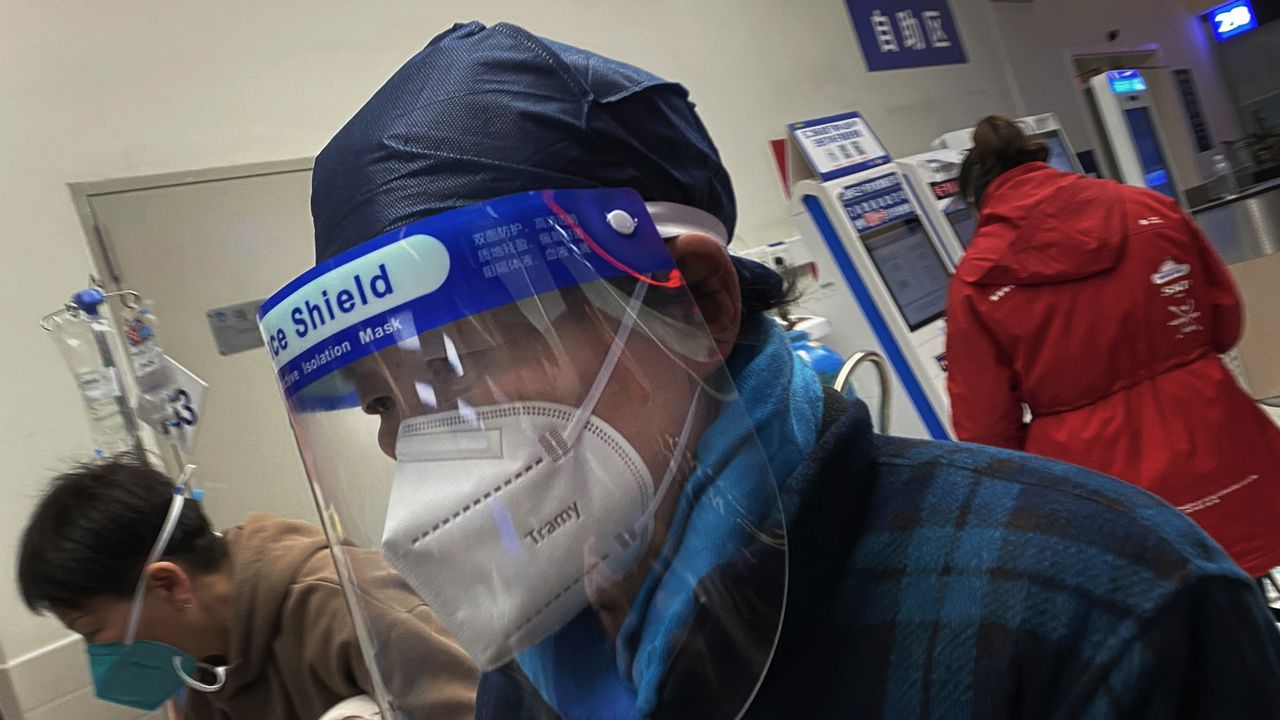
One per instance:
(518, 404)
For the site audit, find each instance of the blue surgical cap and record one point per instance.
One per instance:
(483, 112)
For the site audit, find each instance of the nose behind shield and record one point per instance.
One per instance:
(566, 476)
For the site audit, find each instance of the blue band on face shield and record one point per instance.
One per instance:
(447, 267)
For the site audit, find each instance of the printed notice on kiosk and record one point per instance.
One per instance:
(839, 145)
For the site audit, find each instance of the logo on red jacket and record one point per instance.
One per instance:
(1170, 270)
(998, 295)
(1185, 318)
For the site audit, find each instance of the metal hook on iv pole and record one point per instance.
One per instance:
(45, 321)
(132, 300)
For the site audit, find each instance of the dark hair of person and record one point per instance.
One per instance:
(999, 145)
(91, 533)
(762, 288)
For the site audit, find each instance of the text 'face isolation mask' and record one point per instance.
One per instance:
(515, 410)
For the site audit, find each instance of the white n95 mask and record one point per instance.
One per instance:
(491, 513)
(499, 515)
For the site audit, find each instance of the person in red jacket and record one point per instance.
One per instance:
(1085, 323)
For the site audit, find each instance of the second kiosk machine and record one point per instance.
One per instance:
(935, 176)
(865, 227)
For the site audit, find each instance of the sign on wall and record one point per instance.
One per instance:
(1232, 19)
(235, 327)
(897, 34)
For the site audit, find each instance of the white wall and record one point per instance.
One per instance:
(1041, 36)
(53, 684)
(94, 90)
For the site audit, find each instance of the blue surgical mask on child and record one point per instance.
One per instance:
(142, 674)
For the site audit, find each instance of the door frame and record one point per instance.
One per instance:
(105, 266)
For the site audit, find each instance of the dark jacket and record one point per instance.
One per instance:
(1103, 308)
(944, 580)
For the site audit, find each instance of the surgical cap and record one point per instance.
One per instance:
(483, 112)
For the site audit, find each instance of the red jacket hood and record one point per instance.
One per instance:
(1040, 225)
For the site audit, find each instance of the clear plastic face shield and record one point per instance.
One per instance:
(515, 411)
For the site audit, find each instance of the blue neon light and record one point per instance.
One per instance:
(932, 423)
(1232, 19)
(1124, 82)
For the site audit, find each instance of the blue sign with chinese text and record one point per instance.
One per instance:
(897, 34)
(1232, 19)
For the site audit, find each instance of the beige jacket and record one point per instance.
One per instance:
(294, 652)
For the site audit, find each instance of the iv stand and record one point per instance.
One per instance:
(111, 351)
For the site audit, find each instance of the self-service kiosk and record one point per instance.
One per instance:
(935, 177)
(869, 230)
(1128, 121)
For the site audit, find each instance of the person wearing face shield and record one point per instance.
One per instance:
(527, 368)
(251, 624)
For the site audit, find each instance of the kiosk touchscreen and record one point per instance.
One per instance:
(934, 178)
(883, 273)
(911, 269)
(1059, 156)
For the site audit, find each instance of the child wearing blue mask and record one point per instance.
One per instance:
(253, 622)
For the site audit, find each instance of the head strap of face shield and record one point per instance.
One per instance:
(674, 219)
(585, 412)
